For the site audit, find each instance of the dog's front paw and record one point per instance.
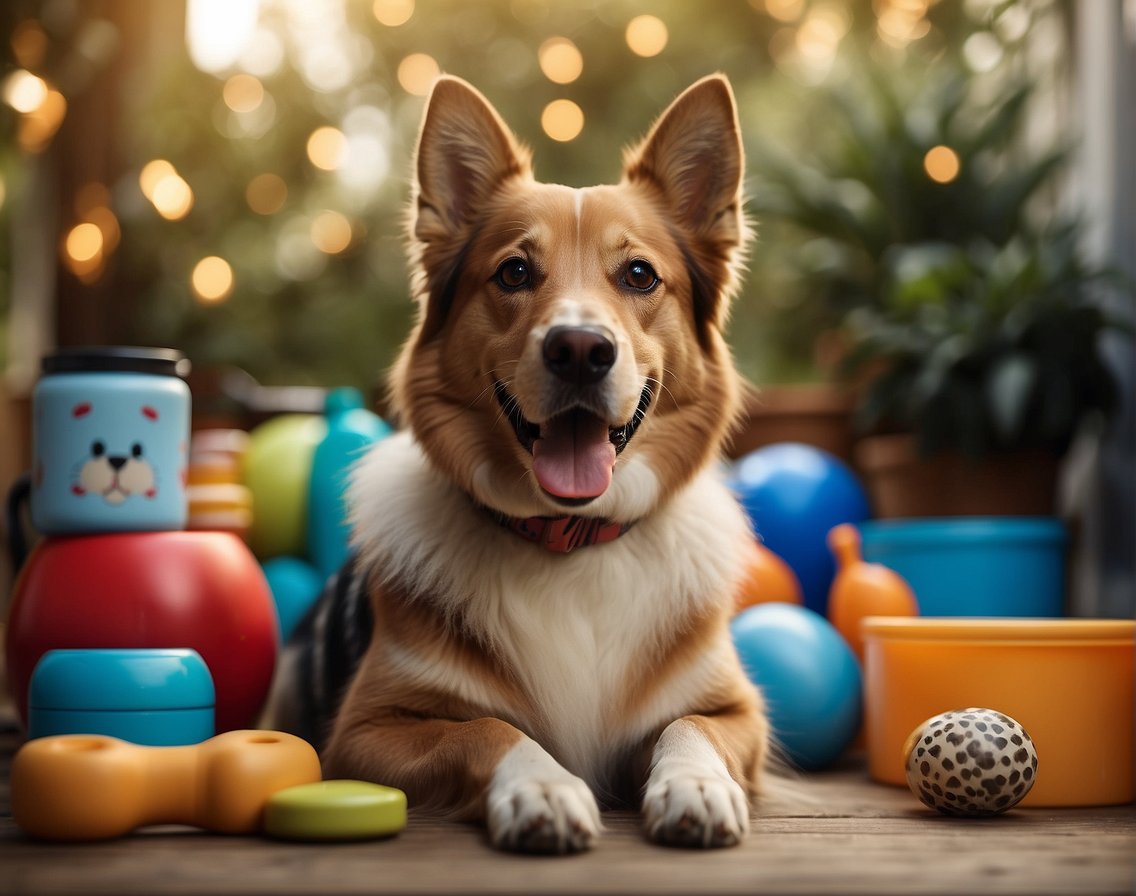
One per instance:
(690, 807)
(535, 805)
(540, 816)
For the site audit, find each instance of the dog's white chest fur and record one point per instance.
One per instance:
(573, 629)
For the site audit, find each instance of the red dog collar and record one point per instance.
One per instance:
(561, 534)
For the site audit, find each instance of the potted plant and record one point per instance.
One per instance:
(983, 363)
(966, 314)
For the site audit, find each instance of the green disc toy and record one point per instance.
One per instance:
(335, 810)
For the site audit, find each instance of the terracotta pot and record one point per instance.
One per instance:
(900, 483)
(818, 415)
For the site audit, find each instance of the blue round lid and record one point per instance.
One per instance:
(121, 679)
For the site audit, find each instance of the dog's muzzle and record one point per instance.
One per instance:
(574, 451)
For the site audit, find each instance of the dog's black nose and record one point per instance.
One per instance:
(117, 461)
(579, 355)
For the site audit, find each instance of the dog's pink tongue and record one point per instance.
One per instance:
(573, 457)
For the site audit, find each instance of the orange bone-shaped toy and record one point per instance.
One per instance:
(93, 787)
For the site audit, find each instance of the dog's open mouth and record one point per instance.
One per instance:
(575, 451)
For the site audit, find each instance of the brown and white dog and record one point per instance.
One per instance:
(548, 552)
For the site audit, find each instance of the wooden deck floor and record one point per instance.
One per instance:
(856, 837)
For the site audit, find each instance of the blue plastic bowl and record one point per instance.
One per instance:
(975, 566)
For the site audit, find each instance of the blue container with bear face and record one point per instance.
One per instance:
(110, 436)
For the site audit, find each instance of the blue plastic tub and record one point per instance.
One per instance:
(975, 566)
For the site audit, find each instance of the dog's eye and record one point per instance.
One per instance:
(98, 448)
(512, 275)
(640, 276)
(136, 449)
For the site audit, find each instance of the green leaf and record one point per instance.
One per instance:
(1009, 391)
(1008, 196)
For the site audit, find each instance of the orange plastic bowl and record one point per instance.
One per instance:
(1069, 682)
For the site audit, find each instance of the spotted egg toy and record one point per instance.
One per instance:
(970, 762)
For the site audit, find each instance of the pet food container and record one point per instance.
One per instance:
(975, 566)
(1069, 682)
(154, 697)
(110, 436)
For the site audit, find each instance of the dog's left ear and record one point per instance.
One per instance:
(693, 156)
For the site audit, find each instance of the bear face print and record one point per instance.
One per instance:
(116, 466)
(110, 453)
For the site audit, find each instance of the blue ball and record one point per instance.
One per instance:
(794, 494)
(809, 676)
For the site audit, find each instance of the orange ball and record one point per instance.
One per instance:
(768, 579)
(862, 589)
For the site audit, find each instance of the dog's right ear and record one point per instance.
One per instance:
(465, 151)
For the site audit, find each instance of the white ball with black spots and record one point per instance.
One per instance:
(970, 762)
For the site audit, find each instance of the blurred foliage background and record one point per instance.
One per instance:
(252, 211)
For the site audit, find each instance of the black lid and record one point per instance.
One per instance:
(117, 359)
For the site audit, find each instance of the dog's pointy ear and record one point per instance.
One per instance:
(465, 151)
(693, 153)
(693, 156)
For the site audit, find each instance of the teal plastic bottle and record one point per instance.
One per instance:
(351, 430)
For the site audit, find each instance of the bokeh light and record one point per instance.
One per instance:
(646, 35)
(326, 148)
(107, 223)
(217, 32)
(37, 127)
(782, 10)
(296, 256)
(152, 172)
(212, 280)
(266, 193)
(331, 232)
(172, 197)
(1013, 23)
(562, 120)
(417, 73)
(24, 91)
(393, 13)
(29, 43)
(899, 22)
(982, 51)
(243, 93)
(42, 108)
(84, 251)
(167, 190)
(84, 243)
(265, 54)
(366, 161)
(942, 164)
(817, 41)
(560, 60)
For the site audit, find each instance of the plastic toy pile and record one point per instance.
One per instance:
(142, 623)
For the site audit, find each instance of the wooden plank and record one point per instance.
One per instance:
(909, 851)
(835, 832)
